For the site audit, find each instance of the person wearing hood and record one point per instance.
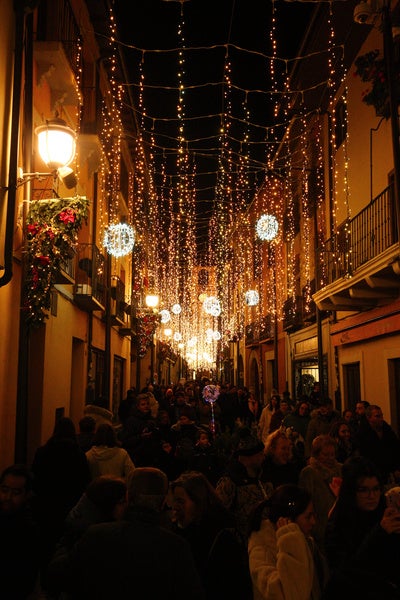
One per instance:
(106, 457)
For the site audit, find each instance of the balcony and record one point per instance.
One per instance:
(359, 268)
(66, 274)
(259, 331)
(90, 278)
(252, 333)
(292, 312)
(56, 51)
(117, 303)
(267, 327)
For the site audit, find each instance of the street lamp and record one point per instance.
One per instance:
(56, 143)
(152, 300)
(57, 149)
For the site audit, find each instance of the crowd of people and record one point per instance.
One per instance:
(207, 496)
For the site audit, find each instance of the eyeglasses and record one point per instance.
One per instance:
(366, 491)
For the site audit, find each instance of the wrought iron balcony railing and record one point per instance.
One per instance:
(90, 278)
(360, 239)
(118, 304)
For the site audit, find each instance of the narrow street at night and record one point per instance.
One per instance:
(200, 299)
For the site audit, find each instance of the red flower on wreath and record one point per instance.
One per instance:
(33, 228)
(50, 234)
(35, 275)
(44, 260)
(67, 216)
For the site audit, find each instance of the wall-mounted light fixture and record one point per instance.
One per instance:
(57, 149)
(56, 143)
(151, 300)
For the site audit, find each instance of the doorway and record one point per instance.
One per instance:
(394, 392)
(118, 382)
(254, 380)
(351, 384)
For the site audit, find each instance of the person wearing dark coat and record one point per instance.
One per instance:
(126, 405)
(104, 500)
(139, 435)
(85, 436)
(205, 458)
(377, 441)
(243, 485)
(362, 538)
(60, 476)
(19, 535)
(279, 466)
(133, 558)
(210, 530)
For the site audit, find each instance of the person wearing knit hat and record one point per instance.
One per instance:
(248, 445)
(242, 486)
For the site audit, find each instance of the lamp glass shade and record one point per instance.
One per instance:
(152, 300)
(56, 143)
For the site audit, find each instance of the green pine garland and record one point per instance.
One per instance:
(52, 234)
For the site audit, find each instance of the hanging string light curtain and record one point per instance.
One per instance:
(241, 151)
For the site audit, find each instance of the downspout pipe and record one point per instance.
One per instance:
(20, 12)
(393, 103)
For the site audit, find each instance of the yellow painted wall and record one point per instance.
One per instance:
(373, 356)
(362, 165)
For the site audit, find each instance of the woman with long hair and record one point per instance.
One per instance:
(207, 525)
(285, 564)
(362, 540)
(345, 447)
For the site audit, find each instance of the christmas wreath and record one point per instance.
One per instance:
(52, 234)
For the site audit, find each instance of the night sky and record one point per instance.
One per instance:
(239, 30)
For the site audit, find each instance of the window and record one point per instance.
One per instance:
(340, 123)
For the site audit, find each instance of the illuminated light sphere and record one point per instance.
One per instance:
(210, 392)
(119, 239)
(165, 316)
(267, 227)
(216, 335)
(176, 309)
(202, 297)
(252, 297)
(177, 336)
(167, 332)
(212, 306)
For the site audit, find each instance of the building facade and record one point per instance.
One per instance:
(70, 302)
(329, 279)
